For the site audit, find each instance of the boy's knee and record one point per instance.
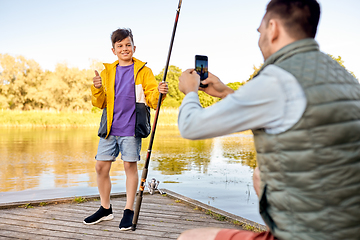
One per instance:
(130, 166)
(102, 167)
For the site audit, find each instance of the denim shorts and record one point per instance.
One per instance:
(109, 148)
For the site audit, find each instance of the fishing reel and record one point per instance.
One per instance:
(153, 186)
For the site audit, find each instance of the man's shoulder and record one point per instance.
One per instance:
(274, 79)
(273, 72)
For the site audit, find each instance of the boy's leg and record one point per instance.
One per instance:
(132, 179)
(104, 182)
(104, 186)
(131, 187)
(106, 154)
(130, 153)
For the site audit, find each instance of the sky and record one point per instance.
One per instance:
(77, 32)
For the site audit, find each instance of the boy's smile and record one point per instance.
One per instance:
(124, 50)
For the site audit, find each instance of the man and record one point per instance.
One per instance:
(304, 111)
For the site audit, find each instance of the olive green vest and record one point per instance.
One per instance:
(311, 173)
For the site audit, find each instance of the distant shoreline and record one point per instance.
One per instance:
(54, 119)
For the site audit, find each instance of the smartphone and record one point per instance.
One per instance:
(201, 67)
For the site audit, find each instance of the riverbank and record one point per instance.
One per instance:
(54, 119)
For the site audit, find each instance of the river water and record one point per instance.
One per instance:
(39, 163)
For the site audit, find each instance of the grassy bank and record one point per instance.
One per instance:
(168, 116)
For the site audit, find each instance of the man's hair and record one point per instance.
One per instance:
(300, 17)
(120, 34)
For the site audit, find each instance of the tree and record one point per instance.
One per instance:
(21, 81)
(235, 85)
(256, 70)
(68, 88)
(341, 62)
(25, 86)
(174, 96)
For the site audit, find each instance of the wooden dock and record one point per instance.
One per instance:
(161, 217)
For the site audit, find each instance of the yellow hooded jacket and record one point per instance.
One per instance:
(146, 89)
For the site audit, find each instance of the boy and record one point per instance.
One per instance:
(126, 88)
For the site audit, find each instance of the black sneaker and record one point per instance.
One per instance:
(126, 221)
(101, 215)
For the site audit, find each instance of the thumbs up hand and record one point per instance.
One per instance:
(97, 80)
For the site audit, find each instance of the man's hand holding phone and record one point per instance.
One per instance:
(189, 81)
(215, 87)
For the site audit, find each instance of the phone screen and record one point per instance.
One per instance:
(201, 66)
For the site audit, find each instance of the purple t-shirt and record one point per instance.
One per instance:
(124, 104)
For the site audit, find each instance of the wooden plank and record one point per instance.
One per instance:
(81, 232)
(46, 223)
(144, 212)
(205, 207)
(182, 212)
(160, 217)
(7, 237)
(160, 212)
(24, 232)
(146, 224)
(78, 228)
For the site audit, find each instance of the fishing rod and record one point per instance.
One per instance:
(147, 161)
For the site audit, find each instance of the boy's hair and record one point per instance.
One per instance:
(300, 17)
(120, 34)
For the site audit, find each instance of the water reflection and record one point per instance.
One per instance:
(215, 171)
(245, 154)
(175, 155)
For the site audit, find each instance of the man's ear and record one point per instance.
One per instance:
(134, 48)
(113, 50)
(274, 30)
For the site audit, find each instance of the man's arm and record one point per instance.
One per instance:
(258, 104)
